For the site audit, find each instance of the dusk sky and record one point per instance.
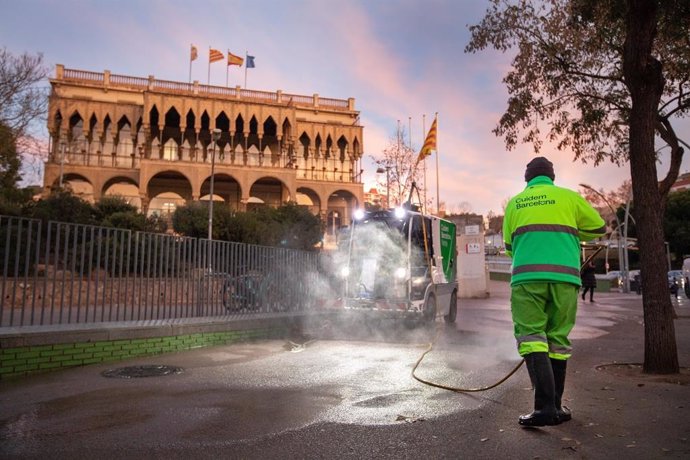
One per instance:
(398, 59)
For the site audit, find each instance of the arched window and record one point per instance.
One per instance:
(124, 141)
(170, 150)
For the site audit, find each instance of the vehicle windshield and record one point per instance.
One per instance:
(377, 259)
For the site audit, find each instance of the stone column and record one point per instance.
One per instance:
(145, 202)
(114, 142)
(161, 147)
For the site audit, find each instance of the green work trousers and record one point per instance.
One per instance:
(543, 316)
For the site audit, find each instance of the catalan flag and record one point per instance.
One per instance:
(235, 60)
(429, 143)
(214, 55)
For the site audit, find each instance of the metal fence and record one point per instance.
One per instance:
(499, 264)
(61, 273)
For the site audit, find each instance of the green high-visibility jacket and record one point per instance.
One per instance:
(542, 229)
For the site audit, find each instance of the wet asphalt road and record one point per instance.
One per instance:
(229, 396)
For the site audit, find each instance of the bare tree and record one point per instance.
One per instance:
(21, 99)
(22, 102)
(397, 167)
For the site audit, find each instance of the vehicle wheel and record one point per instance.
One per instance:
(430, 308)
(453, 311)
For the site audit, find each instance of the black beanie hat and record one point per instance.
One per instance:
(539, 166)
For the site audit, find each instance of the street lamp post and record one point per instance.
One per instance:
(626, 275)
(622, 260)
(215, 135)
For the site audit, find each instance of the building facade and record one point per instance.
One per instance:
(158, 143)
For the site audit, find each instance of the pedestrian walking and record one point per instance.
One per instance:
(542, 228)
(589, 281)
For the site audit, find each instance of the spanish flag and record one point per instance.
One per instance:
(214, 55)
(429, 143)
(235, 60)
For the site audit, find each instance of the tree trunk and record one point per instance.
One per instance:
(644, 78)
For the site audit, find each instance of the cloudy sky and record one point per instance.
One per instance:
(397, 58)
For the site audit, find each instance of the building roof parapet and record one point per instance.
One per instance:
(108, 80)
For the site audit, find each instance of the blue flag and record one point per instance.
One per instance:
(250, 62)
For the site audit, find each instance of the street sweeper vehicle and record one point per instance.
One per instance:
(400, 263)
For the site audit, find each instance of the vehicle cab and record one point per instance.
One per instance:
(400, 262)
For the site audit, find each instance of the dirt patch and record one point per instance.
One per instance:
(634, 371)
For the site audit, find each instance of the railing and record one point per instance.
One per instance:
(173, 85)
(218, 90)
(61, 273)
(334, 171)
(71, 74)
(337, 103)
(125, 81)
(499, 264)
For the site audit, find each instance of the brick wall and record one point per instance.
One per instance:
(25, 360)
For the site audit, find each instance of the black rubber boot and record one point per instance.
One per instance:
(559, 368)
(541, 375)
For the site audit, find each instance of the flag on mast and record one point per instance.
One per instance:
(193, 54)
(248, 65)
(214, 55)
(235, 60)
(429, 143)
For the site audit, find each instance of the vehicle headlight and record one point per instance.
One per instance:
(399, 213)
(400, 273)
(359, 214)
(345, 272)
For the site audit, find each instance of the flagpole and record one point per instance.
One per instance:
(227, 70)
(424, 134)
(190, 62)
(438, 194)
(208, 80)
(409, 127)
(398, 161)
(246, 53)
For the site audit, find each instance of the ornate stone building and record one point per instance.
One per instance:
(151, 141)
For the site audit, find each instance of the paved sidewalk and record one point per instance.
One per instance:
(231, 403)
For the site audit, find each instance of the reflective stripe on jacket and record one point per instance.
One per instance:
(542, 229)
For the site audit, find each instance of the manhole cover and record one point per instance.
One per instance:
(147, 370)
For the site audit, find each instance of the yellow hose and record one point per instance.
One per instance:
(457, 389)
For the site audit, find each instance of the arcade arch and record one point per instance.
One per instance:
(125, 188)
(167, 182)
(164, 204)
(309, 198)
(225, 188)
(270, 191)
(341, 205)
(78, 185)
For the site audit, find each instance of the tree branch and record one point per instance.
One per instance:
(665, 130)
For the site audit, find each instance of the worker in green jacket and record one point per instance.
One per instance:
(542, 230)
